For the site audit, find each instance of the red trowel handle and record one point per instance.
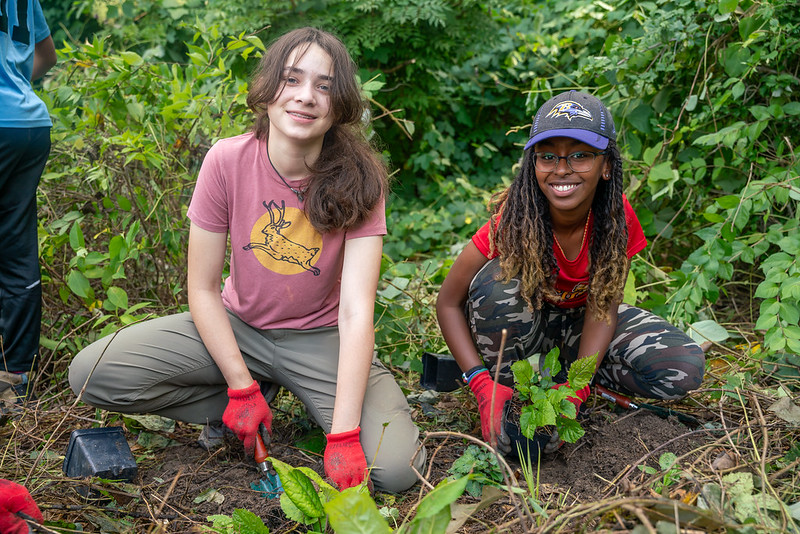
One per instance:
(613, 396)
(261, 454)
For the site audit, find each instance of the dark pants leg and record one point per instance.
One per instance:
(647, 356)
(23, 154)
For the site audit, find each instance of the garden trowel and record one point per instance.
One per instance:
(270, 484)
(625, 402)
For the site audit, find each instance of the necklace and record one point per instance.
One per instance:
(583, 239)
(299, 192)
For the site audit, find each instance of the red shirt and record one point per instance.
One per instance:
(573, 276)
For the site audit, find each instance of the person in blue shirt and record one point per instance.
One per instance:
(26, 53)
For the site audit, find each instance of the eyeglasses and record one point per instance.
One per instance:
(577, 161)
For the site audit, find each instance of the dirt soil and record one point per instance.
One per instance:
(601, 465)
(171, 480)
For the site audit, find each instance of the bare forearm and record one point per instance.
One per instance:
(214, 327)
(597, 334)
(357, 339)
(205, 260)
(450, 307)
(360, 272)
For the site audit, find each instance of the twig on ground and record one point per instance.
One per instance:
(164, 500)
(637, 511)
(524, 511)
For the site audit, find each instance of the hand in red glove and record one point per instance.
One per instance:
(246, 410)
(345, 463)
(580, 397)
(482, 386)
(15, 498)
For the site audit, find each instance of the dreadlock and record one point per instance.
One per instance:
(522, 235)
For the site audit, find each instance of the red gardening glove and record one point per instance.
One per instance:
(482, 385)
(15, 498)
(345, 463)
(580, 397)
(247, 409)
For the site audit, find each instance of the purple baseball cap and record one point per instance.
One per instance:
(573, 114)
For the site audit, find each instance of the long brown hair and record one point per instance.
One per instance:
(349, 177)
(522, 235)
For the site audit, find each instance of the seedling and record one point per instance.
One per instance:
(668, 464)
(544, 406)
(482, 464)
(355, 511)
(240, 520)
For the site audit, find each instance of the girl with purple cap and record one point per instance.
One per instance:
(550, 268)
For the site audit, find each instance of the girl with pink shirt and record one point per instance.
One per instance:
(297, 208)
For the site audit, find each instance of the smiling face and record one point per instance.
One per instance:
(569, 192)
(300, 114)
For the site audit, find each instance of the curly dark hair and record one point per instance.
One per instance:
(522, 235)
(349, 177)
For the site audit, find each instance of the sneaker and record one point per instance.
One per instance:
(213, 436)
(15, 388)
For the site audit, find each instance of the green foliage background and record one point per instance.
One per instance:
(704, 94)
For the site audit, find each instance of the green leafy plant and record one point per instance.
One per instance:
(668, 464)
(309, 500)
(355, 511)
(239, 522)
(128, 136)
(707, 111)
(304, 495)
(405, 316)
(545, 406)
(737, 496)
(482, 464)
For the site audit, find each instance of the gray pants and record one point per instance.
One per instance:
(162, 366)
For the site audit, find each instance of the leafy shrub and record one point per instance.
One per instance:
(405, 312)
(703, 93)
(708, 110)
(129, 135)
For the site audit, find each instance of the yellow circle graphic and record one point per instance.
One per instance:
(284, 241)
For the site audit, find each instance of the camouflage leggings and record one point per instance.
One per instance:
(647, 356)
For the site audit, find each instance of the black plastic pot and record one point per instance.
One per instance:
(440, 372)
(529, 448)
(99, 452)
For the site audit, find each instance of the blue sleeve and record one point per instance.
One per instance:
(40, 29)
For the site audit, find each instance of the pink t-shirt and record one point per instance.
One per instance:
(573, 276)
(283, 273)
